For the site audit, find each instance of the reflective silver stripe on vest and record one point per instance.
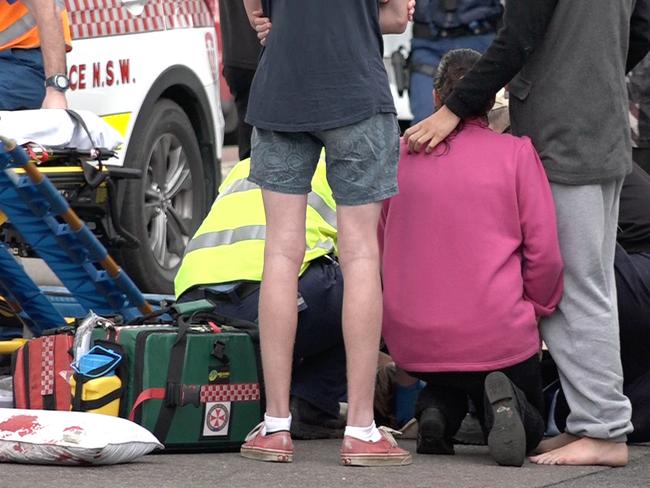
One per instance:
(228, 236)
(17, 29)
(327, 245)
(22, 26)
(247, 233)
(238, 186)
(324, 210)
(314, 199)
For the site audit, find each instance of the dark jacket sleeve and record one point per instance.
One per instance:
(524, 26)
(639, 34)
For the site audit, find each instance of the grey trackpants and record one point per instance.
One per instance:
(582, 334)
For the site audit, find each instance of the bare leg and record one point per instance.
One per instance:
(278, 313)
(555, 442)
(362, 305)
(586, 451)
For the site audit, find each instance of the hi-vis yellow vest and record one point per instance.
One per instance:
(18, 26)
(229, 245)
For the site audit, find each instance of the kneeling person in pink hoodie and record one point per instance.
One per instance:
(471, 261)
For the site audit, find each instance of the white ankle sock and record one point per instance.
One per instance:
(275, 424)
(370, 433)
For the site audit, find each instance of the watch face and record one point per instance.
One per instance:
(58, 82)
(61, 82)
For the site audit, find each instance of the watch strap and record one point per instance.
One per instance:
(52, 82)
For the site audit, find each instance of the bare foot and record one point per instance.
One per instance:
(586, 452)
(555, 443)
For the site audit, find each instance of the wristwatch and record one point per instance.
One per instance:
(58, 82)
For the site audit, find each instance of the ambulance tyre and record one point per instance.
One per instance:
(166, 206)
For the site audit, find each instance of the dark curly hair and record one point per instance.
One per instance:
(452, 68)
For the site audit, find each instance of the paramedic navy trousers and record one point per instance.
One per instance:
(319, 354)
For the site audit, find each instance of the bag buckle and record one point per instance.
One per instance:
(173, 393)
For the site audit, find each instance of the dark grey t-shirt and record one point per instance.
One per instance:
(322, 67)
(241, 48)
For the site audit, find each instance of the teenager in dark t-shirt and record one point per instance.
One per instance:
(321, 83)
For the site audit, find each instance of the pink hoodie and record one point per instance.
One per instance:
(471, 257)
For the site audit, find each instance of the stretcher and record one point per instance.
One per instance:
(41, 216)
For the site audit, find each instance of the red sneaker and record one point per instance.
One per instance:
(276, 447)
(384, 452)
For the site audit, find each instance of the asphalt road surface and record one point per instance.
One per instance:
(315, 465)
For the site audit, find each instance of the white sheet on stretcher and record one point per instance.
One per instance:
(53, 127)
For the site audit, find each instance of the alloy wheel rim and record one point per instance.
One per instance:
(168, 201)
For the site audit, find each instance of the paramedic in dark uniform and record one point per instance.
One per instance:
(440, 26)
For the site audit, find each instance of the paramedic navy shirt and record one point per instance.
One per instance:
(322, 67)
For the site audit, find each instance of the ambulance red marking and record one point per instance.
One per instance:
(99, 18)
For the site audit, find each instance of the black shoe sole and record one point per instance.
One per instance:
(507, 438)
(431, 434)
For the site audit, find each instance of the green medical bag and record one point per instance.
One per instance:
(196, 387)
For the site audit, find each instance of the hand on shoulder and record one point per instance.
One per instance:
(431, 131)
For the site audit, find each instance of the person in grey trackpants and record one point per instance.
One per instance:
(564, 62)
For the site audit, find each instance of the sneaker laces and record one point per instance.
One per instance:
(256, 430)
(389, 434)
(408, 427)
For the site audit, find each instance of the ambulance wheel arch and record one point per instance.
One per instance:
(173, 142)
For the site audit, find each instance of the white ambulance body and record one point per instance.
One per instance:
(150, 68)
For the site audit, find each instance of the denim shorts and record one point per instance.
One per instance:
(361, 160)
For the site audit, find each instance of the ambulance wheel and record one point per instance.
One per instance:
(166, 206)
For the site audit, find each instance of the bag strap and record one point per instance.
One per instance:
(88, 405)
(80, 380)
(82, 123)
(80, 405)
(20, 362)
(146, 319)
(122, 368)
(48, 387)
(200, 394)
(145, 395)
(250, 328)
(174, 376)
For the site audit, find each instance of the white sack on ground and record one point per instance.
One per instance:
(71, 438)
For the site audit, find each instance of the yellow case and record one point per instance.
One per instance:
(98, 388)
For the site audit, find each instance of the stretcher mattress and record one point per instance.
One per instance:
(56, 128)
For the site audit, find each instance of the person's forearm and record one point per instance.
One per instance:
(639, 34)
(252, 6)
(393, 16)
(50, 31)
(524, 28)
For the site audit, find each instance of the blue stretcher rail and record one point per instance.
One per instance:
(45, 220)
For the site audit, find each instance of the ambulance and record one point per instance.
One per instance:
(150, 69)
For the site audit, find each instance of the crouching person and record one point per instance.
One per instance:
(223, 263)
(470, 261)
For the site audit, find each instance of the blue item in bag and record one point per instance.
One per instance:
(98, 361)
